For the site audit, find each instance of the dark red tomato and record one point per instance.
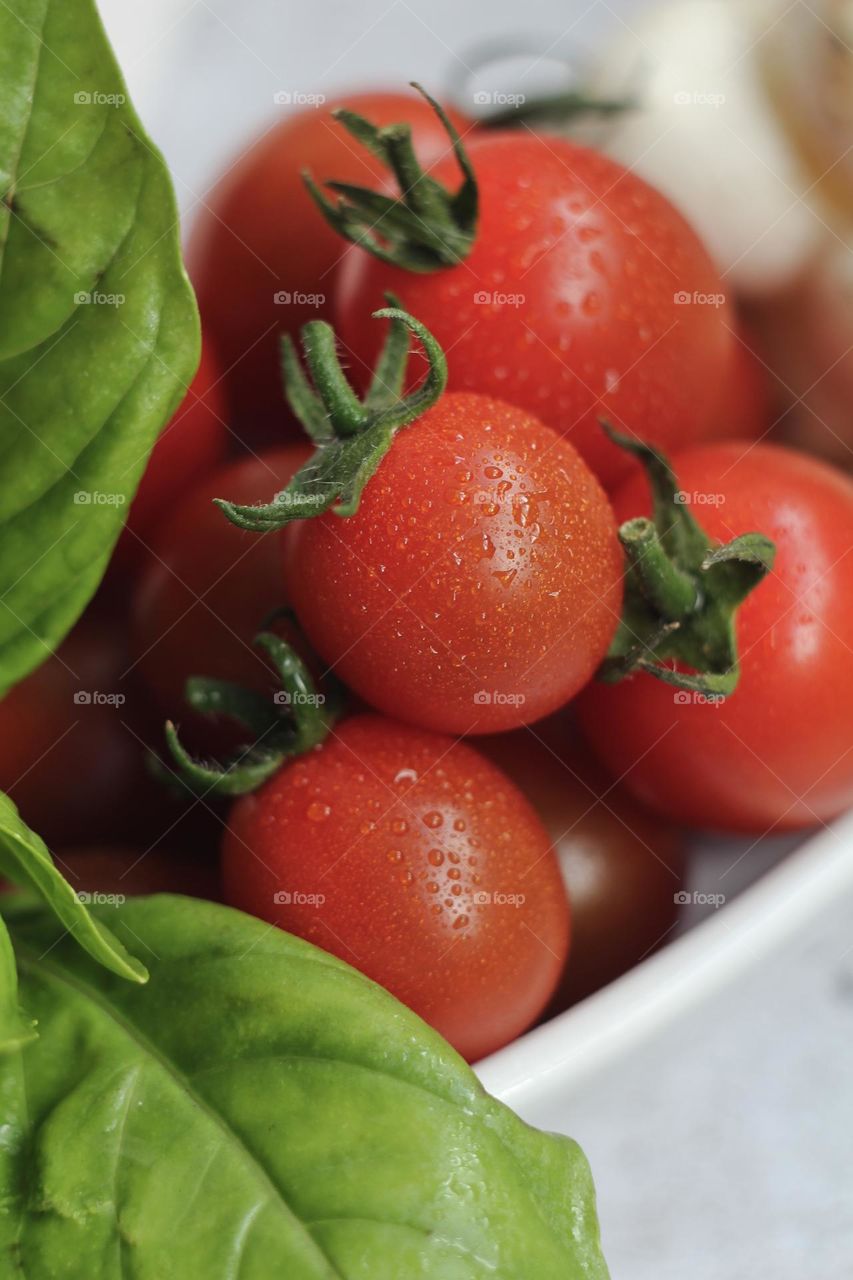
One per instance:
(124, 871)
(67, 759)
(586, 295)
(190, 445)
(778, 753)
(478, 585)
(260, 236)
(621, 866)
(418, 862)
(746, 408)
(209, 586)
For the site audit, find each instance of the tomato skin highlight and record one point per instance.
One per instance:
(207, 588)
(260, 234)
(391, 844)
(479, 583)
(566, 305)
(778, 753)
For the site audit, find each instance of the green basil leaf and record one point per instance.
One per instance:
(15, 1029)
(98, 326)
(260, 1109)
(25, 860)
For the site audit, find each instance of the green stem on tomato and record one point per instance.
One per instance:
(351, 436)
(682, 589)
(426, 227)
(298, 719)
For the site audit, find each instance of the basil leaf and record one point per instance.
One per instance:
(98, 327)
(15, 1029)
(260, 1109)
(25, 860)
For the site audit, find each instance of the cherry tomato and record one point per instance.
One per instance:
(776, 753)
(479, 583)
(208, 587)
(191, 444)
(418, 862)
(586, 294)
(261, 257)
(68, 757)
(621, 866)
(746, 407)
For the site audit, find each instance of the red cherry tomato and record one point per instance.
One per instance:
(586, 295)
(209, 586)
(191, 444)
(70, 758)
(259, 237)
(418, 862)
(777, 753)
(746, 407)
(622, 867)
(479, 583)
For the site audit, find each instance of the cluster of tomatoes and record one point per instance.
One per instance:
(446, 831)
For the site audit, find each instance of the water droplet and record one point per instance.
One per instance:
(399, 826)
(319, 812)
(433, 819)
(435, 857)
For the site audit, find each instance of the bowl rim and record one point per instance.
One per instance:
(543, 1065)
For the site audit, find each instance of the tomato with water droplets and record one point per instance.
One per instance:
(586, 294)
(777, 753)
(480, 581)
(418, 862)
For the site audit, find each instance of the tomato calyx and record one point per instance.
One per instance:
(426, 227)
(352, 436)
(682, 589)
(298, 719)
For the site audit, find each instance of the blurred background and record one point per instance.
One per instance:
(720, 1146)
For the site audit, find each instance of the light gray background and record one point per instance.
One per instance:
(722, 1149)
